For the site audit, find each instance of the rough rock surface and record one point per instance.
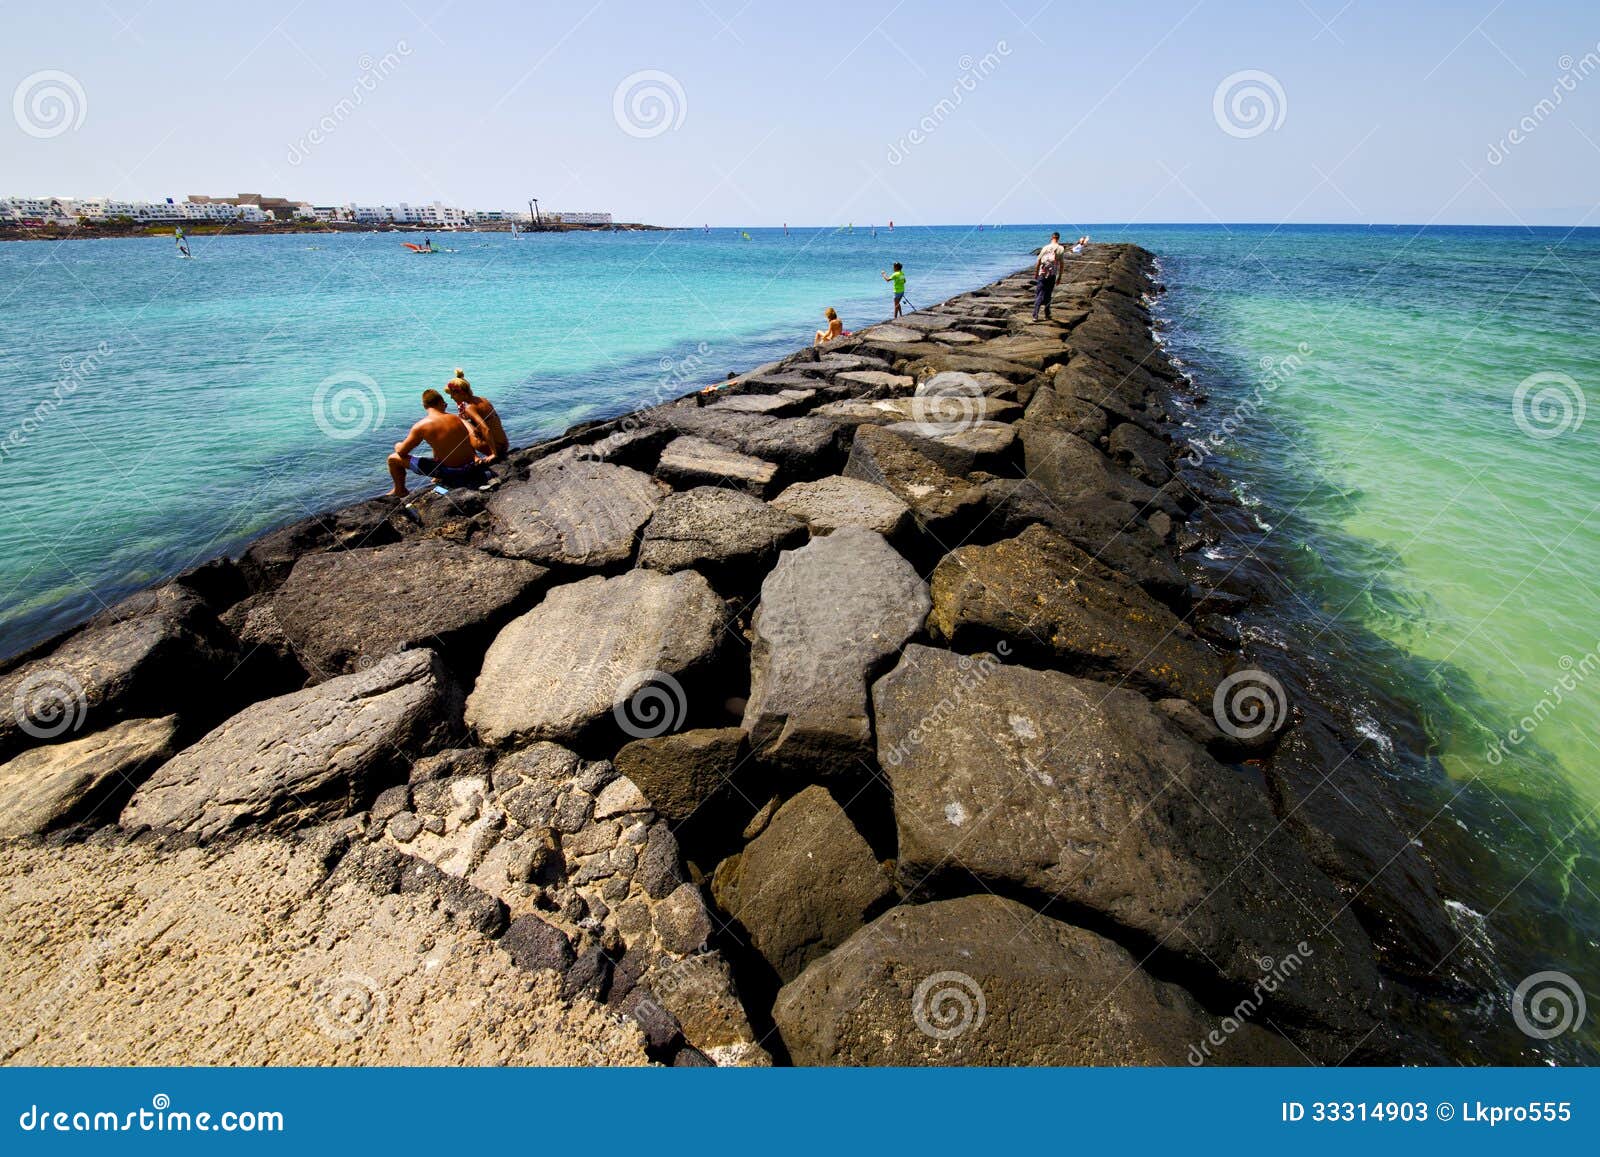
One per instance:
(248, 956)
(690, 461)
(574, 513)
(347, 609)
(144, 657)
(48, 786)
(986, 981)
(831, 615)
(942, 504)
(804, 885)
(718, 531)
(296, 758)
(680, 773)
(829, 503)
(1041, 594)
(1087, 795)
(589, 649)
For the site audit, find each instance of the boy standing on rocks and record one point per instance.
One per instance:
(1045, 272)
(898, 280)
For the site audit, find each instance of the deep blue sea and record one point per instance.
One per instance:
(1407, 409)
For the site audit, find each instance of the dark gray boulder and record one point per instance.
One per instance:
(1087, 795)
(301, 757)
(1070, 470)
(1044, 596)
(832, 614)
(1337, 805)
(943, 505)
(576, 513)
(596, 650)
(960, 447)
(1103, 527)
(344, 610)
(725, 534)
(982, 980)
(804, 885)
(158, 652)
(534, 944)
(1141, 454)
(679, 774)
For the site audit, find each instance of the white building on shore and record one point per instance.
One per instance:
(253, 208)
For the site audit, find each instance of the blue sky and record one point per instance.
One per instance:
(824, 113)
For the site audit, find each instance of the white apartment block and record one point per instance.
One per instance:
(66, 211)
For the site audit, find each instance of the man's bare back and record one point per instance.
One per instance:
(447, 436)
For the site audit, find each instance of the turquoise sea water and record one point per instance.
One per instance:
(1364, 393)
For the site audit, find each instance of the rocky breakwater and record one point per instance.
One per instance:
(871, 710)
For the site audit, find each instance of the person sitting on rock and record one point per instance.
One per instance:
(450, 439)
(835, 327)
(722, 385)
(488, 435)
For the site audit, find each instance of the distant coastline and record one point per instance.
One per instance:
(87, 231)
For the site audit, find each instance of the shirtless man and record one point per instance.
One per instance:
(488, 435)
(450, 439)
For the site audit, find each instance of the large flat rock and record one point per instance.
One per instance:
(982, 980)
(344, 610)
(49, 786)
(783, 403)
(723, 533)
(156, 652)
(691, 461)
(829, 503)
(573, 513)
(590, 651)
(797, 446)
(804, 885)
(1088, 795)
(831, 615)
(300, 757)
(1045, 596)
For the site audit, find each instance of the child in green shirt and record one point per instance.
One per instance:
(898, 280)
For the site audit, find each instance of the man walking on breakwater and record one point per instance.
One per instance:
(450, 439)
(491, 444)
(1045, 272)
